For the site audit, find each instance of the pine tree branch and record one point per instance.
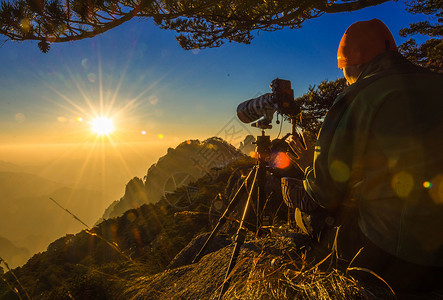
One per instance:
(351, 6)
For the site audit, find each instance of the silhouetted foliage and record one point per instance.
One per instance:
(316, 103)
(430, 53)
(199, 23)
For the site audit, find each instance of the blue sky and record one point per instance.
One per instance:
(157, 93)
(138, 74)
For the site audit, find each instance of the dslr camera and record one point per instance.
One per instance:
(262, 109)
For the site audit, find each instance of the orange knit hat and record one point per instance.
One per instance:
(363, 41)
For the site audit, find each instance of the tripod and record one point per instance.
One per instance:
(256, 191)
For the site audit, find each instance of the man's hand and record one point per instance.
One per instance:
(304, 153)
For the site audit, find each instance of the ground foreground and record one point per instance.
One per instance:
(267, 268)
(147, 253)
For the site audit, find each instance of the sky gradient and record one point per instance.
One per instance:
(157, 93)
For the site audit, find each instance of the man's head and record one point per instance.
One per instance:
(361, 42)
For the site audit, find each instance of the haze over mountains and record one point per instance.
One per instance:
(181, 166)
(80, 181)
(30, 220)
(90, 189)
(14, 255)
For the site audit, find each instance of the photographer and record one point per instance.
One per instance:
(377, 166)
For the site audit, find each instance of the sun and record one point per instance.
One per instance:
(102, 126)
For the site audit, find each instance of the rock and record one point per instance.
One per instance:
(187, 255)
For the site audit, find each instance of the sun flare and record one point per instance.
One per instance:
(102, 126)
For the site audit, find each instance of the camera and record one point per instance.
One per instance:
(262, 109)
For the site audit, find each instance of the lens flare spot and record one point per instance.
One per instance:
(92, 77)
(281, 160)
(19, 117)
(160, 136)
(131, 216)
(339, 171)
(253, 154)
(188, 142)
(427, 184)
(79, 119)
(218, 204)
(85, 63)
(143, 132)
(392, 161)
(62, 119)
(402, 183)
(137, 236)
(153, 100)
(436, 192)
(25, 24)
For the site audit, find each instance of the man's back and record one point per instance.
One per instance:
(381, 143)
(401, 209)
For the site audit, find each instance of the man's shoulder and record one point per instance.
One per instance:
(391, 64)
(388, 72)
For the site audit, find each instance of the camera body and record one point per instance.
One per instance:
(262, 109)
(283, 96)
(284, 99)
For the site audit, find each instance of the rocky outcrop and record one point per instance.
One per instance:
(179, 168)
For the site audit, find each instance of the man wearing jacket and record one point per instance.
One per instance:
(380, 151)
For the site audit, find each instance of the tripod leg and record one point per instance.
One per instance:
(239, 239)
(261, 197)
(222, 219)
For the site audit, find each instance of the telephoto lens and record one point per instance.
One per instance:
(254, 109)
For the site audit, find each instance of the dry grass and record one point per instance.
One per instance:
(267, 268)
(293, 275)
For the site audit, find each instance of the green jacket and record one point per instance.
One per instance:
(381, 148)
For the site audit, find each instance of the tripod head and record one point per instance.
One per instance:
(263, 143)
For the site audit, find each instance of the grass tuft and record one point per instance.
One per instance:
(294, 275)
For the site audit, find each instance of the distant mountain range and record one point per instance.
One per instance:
(84, 266)
(14, 256)
(10, 167)
(180, 167)
(30, 219)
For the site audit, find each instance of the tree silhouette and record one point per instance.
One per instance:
(430, 53)
(199, 23)
(316, 103)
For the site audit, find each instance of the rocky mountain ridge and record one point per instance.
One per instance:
(181, 166)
